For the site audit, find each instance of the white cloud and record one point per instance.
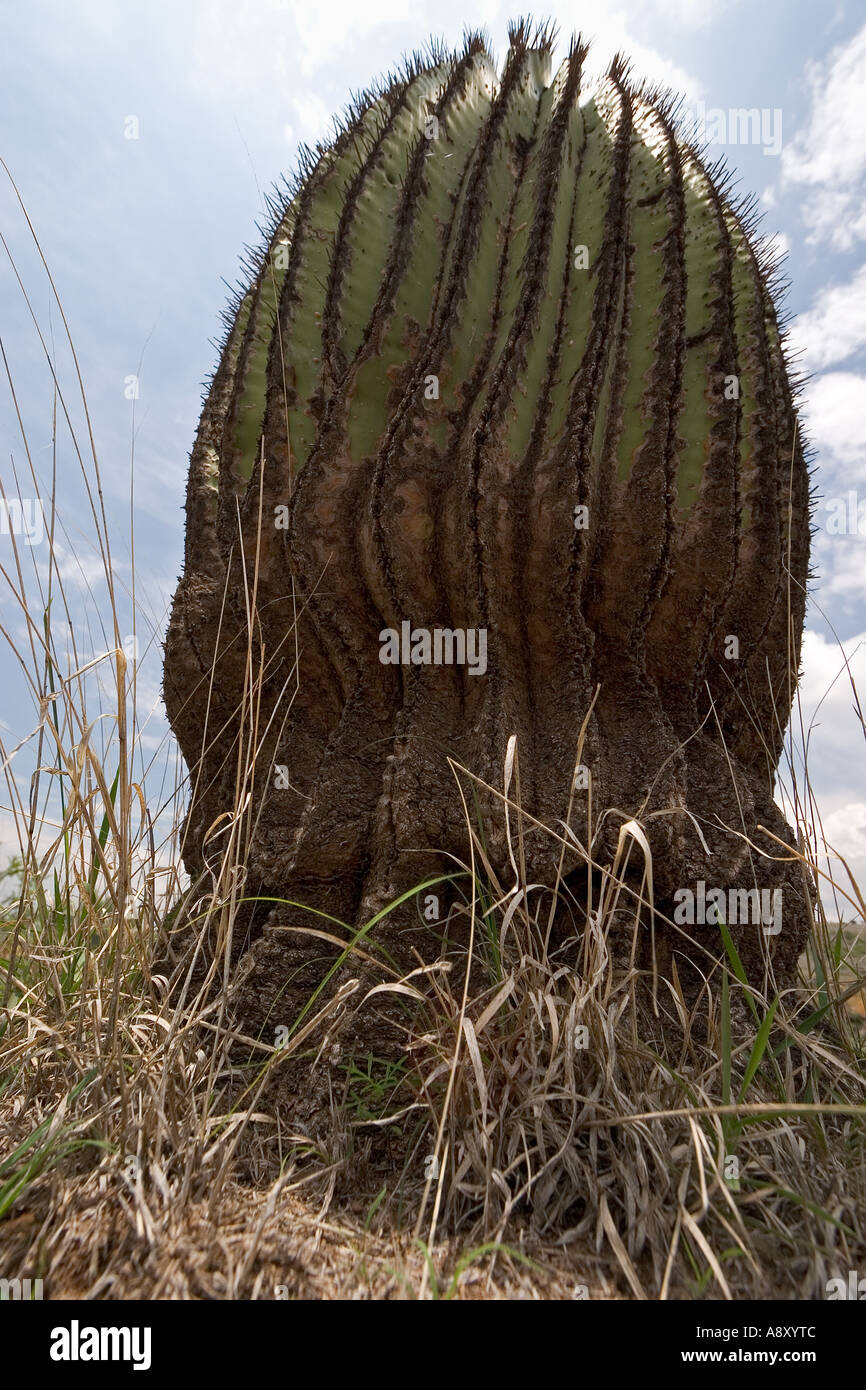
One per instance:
(835, 747)
(692, 14)
(259, 51)
(833, 146)
(842, 835)
(241, 46)
(322, 27)
(610, 32)
(825, 683)
(836, 216)
(78, 567)
(845, 830)
(311, 120)
(777, 244)
(835, 328)
(836, 743)
(840, 560)
(835, 419)
(829, 156)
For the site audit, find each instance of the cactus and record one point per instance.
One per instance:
(509, 363)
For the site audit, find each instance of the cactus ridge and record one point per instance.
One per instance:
(491, 302)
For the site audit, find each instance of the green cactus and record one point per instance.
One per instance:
(509, 362)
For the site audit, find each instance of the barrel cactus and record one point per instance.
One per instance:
(507, 377)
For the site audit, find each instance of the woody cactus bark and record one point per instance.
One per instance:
(509, 365)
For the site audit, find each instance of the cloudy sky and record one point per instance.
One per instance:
(142, 138)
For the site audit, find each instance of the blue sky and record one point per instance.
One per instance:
(139, 234)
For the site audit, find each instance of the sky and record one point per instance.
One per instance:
(142, 140)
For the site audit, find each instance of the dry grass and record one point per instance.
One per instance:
(695, 1151)
(561, 1127)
